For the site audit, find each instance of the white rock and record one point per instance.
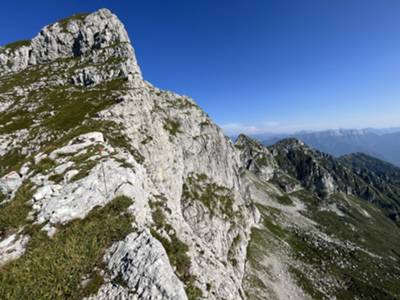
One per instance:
(12, 247)
(94, 137)
(10, 182)
(50, 230)
(61, 168)
(24, 169)
(142, 262)
(77, 199)
(99, 30)
(42, 192)
(68, 175)
(39, 157)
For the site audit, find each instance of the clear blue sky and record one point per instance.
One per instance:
(258, 65)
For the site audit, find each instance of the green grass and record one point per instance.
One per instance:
(376, 234)
(44, 165)
(11, 161)
(54, 268)
(175, 248)
(13, 214)
(72, 109)
(84, 164)
(2, 197)
(14, 46)
(172, 126)
(15, 120)
(93, 285)
(260, 244)
(57, 178)
(284, 200)
(77, 17)
(22, 78)
(73, 106)
(262, 161)
(84, 170)
(232, 249)
(306, 284)
(181, 103)
(216, 198)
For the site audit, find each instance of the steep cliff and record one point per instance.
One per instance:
(81, 128)
(114, 189)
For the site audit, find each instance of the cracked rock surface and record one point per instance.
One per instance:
(86, 141)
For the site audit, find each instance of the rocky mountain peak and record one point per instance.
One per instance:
(246, 141)
(81, 35)
(80, 129)
(292, 143)
(120, 190)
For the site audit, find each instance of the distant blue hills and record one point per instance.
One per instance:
(381, 143)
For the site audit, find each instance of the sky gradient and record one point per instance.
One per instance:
(256, 66)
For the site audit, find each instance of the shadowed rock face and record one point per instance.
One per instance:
(321, 219)
(85, 141)
(368, 178)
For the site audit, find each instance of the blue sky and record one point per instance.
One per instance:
(256, 66)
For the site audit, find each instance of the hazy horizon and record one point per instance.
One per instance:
(236, 129)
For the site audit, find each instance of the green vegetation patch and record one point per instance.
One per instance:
(306, 284)
(284, 199)
(23, 78)
(14, 213)
(44, 165)
(262, 160)
(53, 268)
(232, 248)
(77, 17)
(83, 163)
(198, 187)
(175, 248)
(56, 178)
(355, 270)
(260, 244)
(14, 120)
(181, 103)
(11, 161)
(93, 284)
(14, 46)
(72, 106)
(172, 126)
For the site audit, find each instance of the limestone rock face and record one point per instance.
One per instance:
(81, 131)
(141, 261)
(78, 36)
(10, 183)
(255, 157)
(12, 247)
(96, 130)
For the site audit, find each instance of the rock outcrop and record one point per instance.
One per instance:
(141, 261)
(79, 36)
(136, 194)
(95, 131)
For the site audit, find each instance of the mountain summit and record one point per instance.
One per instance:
(82, 35)
(114, 189)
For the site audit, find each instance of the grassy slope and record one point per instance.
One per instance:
(323, 267)
(53, 268)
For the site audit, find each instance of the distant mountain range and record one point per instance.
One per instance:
(381, 143)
